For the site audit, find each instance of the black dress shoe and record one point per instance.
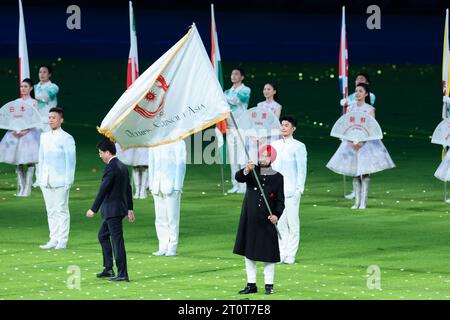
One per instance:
(118, 279)
(106, 274)
(250, 288)
(269, 288)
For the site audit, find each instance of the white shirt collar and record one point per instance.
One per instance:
(111, 159)
(288, 139)
(56, 131)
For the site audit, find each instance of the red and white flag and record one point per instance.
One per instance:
(133, 65)
(24, 69)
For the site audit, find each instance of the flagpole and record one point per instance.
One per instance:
(254, 173)
(445, 80)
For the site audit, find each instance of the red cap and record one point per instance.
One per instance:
(271, 151)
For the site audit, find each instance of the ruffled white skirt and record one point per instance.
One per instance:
(133, 157)
(443, 171)
(23, 150)
(372, 157)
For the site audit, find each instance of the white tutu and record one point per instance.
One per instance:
(372, 157)
(443, 171)
(133, 156)
(22, 150)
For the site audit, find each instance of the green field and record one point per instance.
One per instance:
(405, 230)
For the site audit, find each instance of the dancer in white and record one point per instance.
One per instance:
(291, 163)
(238, 97)
(361, 77)
(46, 95)
(56, 174)
(167, 168)
(362, 159)
(22, 148)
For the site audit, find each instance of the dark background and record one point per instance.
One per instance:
(291, 31)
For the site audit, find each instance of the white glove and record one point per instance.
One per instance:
(446, 99)
(343, 102)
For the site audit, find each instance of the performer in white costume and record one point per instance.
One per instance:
(46, 92)
(138, 159)
(362, 159)
(271, 103)
(22, 148)
(56, 174)
(167, 168)
(291, 163)
(361, 77)
(238, 97)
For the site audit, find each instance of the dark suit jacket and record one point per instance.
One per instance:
(114, 196)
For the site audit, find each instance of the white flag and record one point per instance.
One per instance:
(24, 69)
(175, 97)
(357, 127)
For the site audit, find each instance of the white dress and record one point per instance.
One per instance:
(133, 156)
(372, 157)
(272, 106)
(443, 171)
(23, 150)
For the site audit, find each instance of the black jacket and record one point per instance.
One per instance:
(257, 237)
(114, 196)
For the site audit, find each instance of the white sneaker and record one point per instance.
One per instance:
(159, 253)
(282, 258)
(289, 260)
(234, 189)
(448, 200)
(49, 245)
(61, 246)
(143, 195)
(355, 207)
(171, 254)
(350, 196)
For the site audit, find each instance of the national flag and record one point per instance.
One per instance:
(343, 61)
(24, 69)
(221, 127)
(178, 95)
(133, 64)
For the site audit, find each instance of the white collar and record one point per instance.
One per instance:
(56, 131)
(111, 159)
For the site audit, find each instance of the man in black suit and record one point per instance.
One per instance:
(115, 200)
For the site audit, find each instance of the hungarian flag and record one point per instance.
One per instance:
(178, 95)
(24, 69)
(343, 61)
(221, 127)
(133, 65)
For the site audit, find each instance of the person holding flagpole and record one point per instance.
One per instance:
(167, 168)
(22, 148)
(362, 159)
(256, 237)
(135, 157)
(238, 97)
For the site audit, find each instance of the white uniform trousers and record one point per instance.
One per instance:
(57, 205)
(167, 220)
(289, 227)
(269, 271)
(236, 155)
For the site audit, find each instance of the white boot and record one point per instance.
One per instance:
(20, 181)
(350, 196)
(357, 190)
(137, 182)
(144, 182)
(28, 181)
(364, 192)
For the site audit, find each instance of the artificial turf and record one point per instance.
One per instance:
(404, 231)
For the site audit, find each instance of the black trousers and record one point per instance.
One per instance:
(112, 231)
